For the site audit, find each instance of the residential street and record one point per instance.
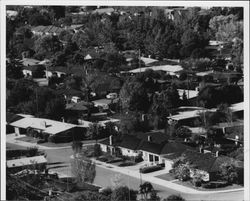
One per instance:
(59, 160)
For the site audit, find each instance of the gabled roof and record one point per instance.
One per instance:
(80, 106)
(174, 147)
(208, 162)
(130, 142)
(151, 147)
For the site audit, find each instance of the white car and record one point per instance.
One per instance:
(112, 96)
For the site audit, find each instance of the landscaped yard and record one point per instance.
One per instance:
(190, 185)
(167, 177)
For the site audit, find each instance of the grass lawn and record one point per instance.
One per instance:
(167, 177)
(190, 185)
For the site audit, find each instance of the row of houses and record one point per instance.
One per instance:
(156, 148)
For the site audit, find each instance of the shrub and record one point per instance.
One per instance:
(115, 160)
(197, 182)
(32, 151)
(127, 163)
(138, 159)
(150, 169)
(215, 184)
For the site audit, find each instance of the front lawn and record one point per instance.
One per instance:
(167, 177)
(190, 185)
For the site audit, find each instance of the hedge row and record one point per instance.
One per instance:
(150, 169)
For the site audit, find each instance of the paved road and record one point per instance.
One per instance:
(61, 157)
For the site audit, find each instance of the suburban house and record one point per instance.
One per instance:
(59, 71)
(30, 62)
(104, 103)
(29, 70)
(152, 146)
(186, 118)
(45, 128)
(206, 164)
(16, 165)
(46, 30)
(169, 69)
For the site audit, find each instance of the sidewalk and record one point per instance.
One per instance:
(158, 181)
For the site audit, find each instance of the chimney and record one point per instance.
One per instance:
(216, 153)
(149, 138)
(110, 140)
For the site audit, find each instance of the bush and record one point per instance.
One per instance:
(138, 159)
(127, 163)
(115, 160)
(215, 184)
(197, 182)
(32, 151)
(150, 169)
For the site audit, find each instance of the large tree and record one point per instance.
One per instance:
(134, 96)
(123, 193)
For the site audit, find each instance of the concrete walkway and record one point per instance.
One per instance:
(158, 181)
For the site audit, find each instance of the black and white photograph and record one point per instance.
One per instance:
(125, 100)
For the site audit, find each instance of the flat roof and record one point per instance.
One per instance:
(166, 68)
(26, 161)
(46, 125)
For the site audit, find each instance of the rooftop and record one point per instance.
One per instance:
(46, 125)
(26, 161)
(167, 68)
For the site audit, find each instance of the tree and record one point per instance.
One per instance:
(174, 198)
(145, 190)
(123, 193)
(228, 172)
(182, 171)
(22, 91)
(134, 96)
(154, 196)
(76, 147)
(37, 19)
(97, 150)
(226, 28)
(38, 72)
(14, 69)
(47, 45)
(83, 169)
(89, 195)
(94, 131)
(183, 132)
(55, 108)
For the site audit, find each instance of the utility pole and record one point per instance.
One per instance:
(140, 59)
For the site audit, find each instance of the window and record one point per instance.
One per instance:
(156, 158)
(151, 158)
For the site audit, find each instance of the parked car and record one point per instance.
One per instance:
(112, 96)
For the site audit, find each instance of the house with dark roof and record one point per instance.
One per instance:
(152, 146)
(207, 165)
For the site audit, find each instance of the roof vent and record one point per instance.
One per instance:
(149, 138)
